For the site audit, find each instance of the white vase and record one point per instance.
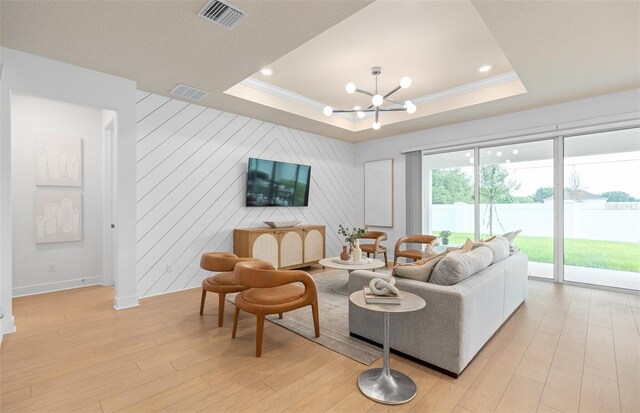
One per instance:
(356, 255)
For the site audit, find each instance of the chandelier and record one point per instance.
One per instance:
(376, 100)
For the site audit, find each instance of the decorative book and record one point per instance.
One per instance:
(371, 298)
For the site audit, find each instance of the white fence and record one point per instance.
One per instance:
(613, 221)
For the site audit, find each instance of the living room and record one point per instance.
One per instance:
(135, 142)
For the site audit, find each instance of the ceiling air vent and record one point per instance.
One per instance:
(222, 13)
(189, 92)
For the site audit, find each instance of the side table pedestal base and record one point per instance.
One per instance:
(388, 387)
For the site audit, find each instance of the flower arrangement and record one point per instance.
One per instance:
(351, 235)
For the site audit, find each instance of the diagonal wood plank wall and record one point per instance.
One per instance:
(191, 184)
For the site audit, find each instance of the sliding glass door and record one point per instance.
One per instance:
(593, 227)
(602, 209)
(516, 194)
(448, 180)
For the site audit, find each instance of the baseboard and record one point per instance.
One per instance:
(121, 303)
(56, 286)
(408, 357)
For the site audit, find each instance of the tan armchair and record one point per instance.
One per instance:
(411, 239)
(222, 283)
(375, 248)
(273, 292)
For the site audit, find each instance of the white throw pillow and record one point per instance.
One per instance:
(499, 246)
(454, 268)
(511, 236)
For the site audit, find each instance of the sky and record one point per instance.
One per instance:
(597, 173)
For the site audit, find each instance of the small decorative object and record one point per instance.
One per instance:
(383, 286)
(356, 254)
(351, 236)
(282, 224)
(344, 256)
(444, 236)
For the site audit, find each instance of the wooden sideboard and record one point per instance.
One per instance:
(285, 248)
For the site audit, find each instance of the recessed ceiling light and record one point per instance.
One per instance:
(485, 68)
(357, 108)
(515, 151)
(498, 153)
(266, 71)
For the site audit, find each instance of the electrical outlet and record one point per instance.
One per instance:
(169, 268)
(52, 268)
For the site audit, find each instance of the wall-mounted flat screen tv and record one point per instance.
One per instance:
(272, 183)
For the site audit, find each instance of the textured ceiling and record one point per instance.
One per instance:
(560, 50)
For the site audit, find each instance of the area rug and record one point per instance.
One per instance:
(334, 320)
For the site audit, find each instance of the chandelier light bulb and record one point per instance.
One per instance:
(376, 125)
(377, 100)
(411, 108)
(350, 88)
(360, 114)
(405, 82)
(328, 111)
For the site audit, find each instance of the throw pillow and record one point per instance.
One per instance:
(428, 252)
(489, 239)
(499, 246)
(454, 268)
(419, 270)
(511, 236)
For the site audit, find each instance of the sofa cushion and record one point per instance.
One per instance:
(454, 268)
(419, 270)
(499, 246)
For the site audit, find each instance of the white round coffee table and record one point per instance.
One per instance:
(332, 262)
(383, 384)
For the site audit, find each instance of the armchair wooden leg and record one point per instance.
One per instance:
(386, 264)
(259, 331)
(220, 308)
(316, 320)
(204, 295)
(235, 322)
(395, 259)
(280, 316)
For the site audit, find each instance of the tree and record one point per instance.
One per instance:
(542, 193)
(618, 196)
(451, 185)
(495, 189)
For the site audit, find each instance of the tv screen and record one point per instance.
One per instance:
(272, 183)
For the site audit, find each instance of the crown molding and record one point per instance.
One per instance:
(430, 98)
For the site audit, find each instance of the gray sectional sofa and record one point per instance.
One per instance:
(457, 320)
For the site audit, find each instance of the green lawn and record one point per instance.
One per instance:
(622, 256)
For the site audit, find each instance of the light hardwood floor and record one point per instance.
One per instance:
(567, 349)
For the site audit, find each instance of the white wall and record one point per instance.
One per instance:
(192, 164)
(77, 263)
(32, 75)
(581, 112)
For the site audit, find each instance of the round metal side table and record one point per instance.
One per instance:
(384, 385)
